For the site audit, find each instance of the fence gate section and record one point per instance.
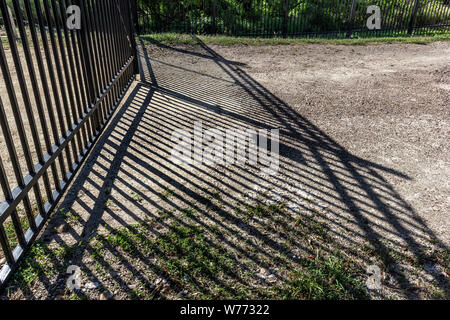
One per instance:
(66, 64)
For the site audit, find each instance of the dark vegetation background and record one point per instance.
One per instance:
(269, 18)
(288, 17)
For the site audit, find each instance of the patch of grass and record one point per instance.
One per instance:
(167, 194)
(310, 226)
(163, 214)
(70, 217)
(11, 233)
(237, 211)
(215, 230)
(190, 212)
(37, 262)
(123, 238)
(76, 296)
(190, 254)
(262, 210)
(329, 278)
(193, 260)
(64, 252)
(183, 253)
(186, 39)
(96, 245)
(443, 257)
(440, 294)
(138, 293)
(137, 197)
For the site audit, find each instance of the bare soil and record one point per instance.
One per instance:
(364, 176)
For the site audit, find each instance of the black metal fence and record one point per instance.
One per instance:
(328, 18)
(59, 88)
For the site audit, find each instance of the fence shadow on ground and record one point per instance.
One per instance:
(218, 231)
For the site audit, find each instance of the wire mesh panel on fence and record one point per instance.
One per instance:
(60, 86)
(331, 18)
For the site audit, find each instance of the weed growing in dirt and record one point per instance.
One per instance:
(328, 278)
(167, 194)
(36, 263)
(11, 233)
(69, 217)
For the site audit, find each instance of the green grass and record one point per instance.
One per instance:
(184, 252)
(186, 39)
(186, 256)
(11, 233)
(23, 220)
(36, 263)
(167, 194)
(69, 217)
(194, 259)
(312, 227)
(209, 261)
(328, 278)
(262, 210)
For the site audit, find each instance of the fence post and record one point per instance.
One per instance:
(136, 17)
(413, 16)
(87, 61)
(285, 18)
(133, 25)
(214, 16)
(351, 19)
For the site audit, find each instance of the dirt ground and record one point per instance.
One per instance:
(364, 178)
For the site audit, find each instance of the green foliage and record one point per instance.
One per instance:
(328, 278)
(267, 17)
(177, 39)
(36, 263)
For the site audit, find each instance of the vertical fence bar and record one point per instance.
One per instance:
(214, 16)
(99, 62)
(95, 62)
(351, 18)
(285, 18)
(100, 26)
(5, 246)
(87, 62)
(132, 33)
(3, 177)
(413, 17)
(8, 196)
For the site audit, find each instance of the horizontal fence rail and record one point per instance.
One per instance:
(60, 86)
(315, 18)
